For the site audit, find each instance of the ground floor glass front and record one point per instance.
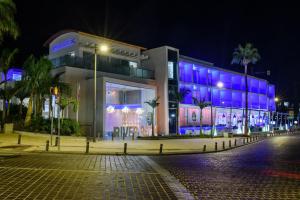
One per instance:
(126, 111)
(224, 120)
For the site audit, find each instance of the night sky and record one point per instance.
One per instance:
(207, 30)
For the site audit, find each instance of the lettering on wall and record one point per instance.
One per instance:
(63, 44)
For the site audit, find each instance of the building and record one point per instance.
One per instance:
(128, 75)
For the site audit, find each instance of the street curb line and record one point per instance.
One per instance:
(147, 154)
(177, 188)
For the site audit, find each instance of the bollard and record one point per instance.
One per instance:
(250, 139)
(216, 146)
(87, 148)
(243, 140)
(112, 136)
(204, 148)
(247, 140)
(160, 148)
(223, 144)
(125, 148)
(132, 136)
(229, 143)
(56, 141)
(235, 142)
(19, 139)
(256, 137)
(47, 145)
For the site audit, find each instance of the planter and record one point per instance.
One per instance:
(8, 128)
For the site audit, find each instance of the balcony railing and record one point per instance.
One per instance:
(104, 67)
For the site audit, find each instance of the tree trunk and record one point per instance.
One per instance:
(246, 102)
(62, 114)
(200, 121)
(29, 112)
(8, 108)
(21, 107)
(4, 104)
(4, 112)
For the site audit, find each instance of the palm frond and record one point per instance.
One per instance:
(8, 25)
(245, 55)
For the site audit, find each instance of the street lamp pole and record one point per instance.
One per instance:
(211, 103)
(95, 95)
(103, 48)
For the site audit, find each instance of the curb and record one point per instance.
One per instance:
(143, 154)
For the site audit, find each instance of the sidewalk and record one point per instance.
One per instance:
(35, 142)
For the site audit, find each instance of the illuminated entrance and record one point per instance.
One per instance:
(125, 110)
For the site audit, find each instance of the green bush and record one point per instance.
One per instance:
(39, 124)
(67, 126)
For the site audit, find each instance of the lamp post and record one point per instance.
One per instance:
(53, 91)
(95, 95)
(219, 85)
(103, 48)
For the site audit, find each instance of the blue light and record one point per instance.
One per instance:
(232, 94)
(13, 74)
(63, 44)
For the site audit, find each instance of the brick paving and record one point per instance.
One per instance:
(269, 169)
(55, 176)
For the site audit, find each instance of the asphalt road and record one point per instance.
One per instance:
(269, 169)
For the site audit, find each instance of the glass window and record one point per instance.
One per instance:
(126, 109)
(132, 64)
(170, 70)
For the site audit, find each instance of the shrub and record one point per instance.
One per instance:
(69, 127)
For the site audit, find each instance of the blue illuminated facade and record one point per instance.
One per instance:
(13, 74)
(228, 101)
(202, 80)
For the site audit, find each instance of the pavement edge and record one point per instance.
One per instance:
(177, 188)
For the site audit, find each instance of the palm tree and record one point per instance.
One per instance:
(201, 103)
(66, 101)
(6, 59)
(244, 56)
(8, 94)
(22, 94)
(37, 76)
(7, 21)
(179, 97)
(153, 104)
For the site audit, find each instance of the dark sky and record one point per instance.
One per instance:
(208, 30)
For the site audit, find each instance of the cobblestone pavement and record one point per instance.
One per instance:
(269, 169)
(58, 176)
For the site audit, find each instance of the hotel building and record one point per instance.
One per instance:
(128, 75)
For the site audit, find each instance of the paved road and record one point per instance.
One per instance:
(44, 176)
(269, 169)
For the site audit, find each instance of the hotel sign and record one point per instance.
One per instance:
(126, 131)
(63, 44)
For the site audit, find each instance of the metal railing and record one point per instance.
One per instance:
(104, 67)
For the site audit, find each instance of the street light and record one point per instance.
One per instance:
(219, 85)
(102, 48)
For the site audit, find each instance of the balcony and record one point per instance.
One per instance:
(115, 68)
